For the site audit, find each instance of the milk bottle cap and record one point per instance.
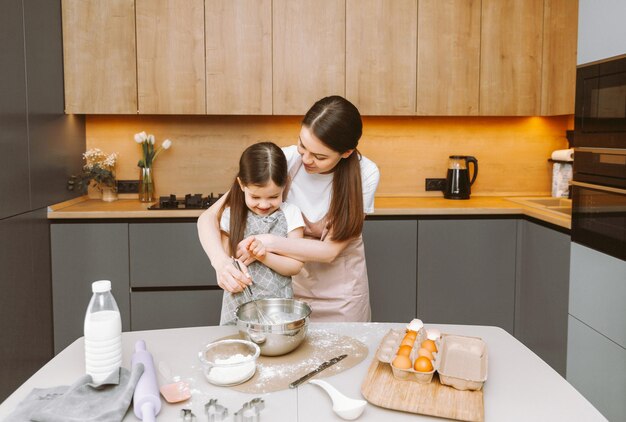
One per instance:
(101, 286)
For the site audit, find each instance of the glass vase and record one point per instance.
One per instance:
(109, 194)
(146, 184)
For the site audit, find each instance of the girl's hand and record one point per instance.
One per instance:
(230, 278)
(257, 249)
(253, 246)
(243, 255)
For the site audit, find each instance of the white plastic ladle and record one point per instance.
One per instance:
(344, 407)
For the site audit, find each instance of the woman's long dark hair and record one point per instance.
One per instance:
(337, 123)
(258, 164)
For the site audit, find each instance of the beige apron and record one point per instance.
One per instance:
(336, 291)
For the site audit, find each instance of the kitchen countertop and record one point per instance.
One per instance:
(85, 208)
(519, 387)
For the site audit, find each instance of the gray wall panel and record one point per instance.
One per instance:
(14, 173)
(56, 141)
(26, 322)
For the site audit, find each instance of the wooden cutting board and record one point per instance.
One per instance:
(383, 389)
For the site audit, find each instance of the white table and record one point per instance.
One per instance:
(520, 386)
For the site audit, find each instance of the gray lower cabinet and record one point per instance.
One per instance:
(596, 346)
(596, 367)
(172, 281)
(81, 254)
(391, 256)
(466, 271)
(175, 309)
(542, 292)
(167, 255)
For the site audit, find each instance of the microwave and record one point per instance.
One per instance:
(600, 110)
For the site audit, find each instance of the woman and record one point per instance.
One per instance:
(334, 186)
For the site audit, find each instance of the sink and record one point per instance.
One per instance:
(549, 202)
(563, 210)
(562, 206)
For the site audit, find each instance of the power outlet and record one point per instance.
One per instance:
(128, 186)
(435, 184)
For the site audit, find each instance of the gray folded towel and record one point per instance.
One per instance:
(82, 401)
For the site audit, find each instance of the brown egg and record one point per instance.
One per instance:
(407, 341)
(425, 352)
(423, 364)
(411, 334)
(404, 350)
(430, 345)
(402, 362)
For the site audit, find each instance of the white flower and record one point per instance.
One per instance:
(166, 144)
(140, 137)
(151, 139)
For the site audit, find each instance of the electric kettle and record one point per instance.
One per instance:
(458, 183)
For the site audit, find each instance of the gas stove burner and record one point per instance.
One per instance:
(189, 202)
(168, 201)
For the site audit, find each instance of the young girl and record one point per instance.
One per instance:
(254, 205)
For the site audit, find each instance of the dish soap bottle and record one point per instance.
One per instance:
(103, 333)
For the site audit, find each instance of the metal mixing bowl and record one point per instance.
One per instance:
(288, 330)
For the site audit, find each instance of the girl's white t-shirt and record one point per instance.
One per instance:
(312, 192)
(291, 211)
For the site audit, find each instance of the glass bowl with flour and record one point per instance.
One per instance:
(229, 362)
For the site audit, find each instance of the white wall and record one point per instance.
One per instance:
(601, 29)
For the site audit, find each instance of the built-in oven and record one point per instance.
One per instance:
(599, 200)
(600, 112)
(599, 182)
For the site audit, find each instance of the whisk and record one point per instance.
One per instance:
(247, 292)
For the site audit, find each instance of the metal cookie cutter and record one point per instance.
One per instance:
(187, 415)
(250, 412)
(215, 412)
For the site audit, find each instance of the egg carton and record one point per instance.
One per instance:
(463, 362)
(388, 347)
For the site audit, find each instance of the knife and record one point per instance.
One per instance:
(317, 370)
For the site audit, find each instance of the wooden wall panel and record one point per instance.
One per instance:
(448, 57)
(170, 56)
(560, 38)
(100, 64)
(239, 56)
(512, 151)
(510, 52)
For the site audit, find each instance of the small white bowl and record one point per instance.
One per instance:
(229, 362)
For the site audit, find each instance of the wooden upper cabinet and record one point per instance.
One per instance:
(560, 39)
(99, 57)
(239, 56)
(381, 56)
(308, 53)
(448, 57)
(511, 53)
(170, 56)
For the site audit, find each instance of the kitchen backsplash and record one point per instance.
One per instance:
(512, 151)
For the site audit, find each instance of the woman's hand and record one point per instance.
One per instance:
(230, 278)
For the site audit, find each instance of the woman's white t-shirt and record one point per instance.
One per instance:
(292, 215)
(312, 192)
